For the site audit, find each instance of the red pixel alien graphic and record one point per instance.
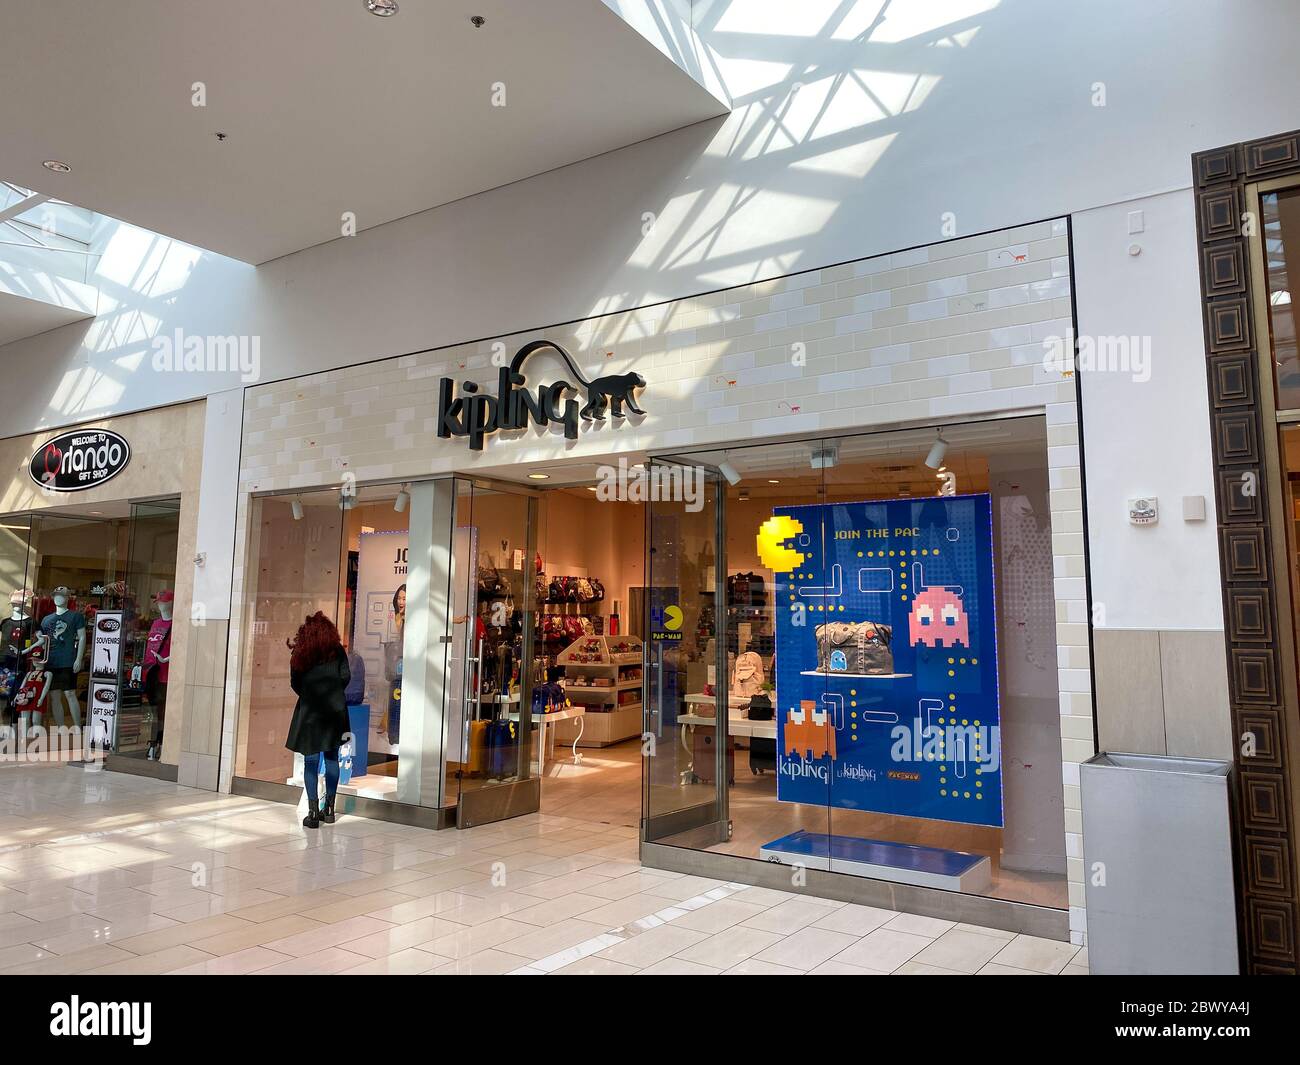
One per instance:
(938, 619)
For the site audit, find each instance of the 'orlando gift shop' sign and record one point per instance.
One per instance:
(79, 459)
(475, 414)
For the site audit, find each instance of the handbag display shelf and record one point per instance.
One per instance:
(604, 674)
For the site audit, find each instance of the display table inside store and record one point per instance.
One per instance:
(738, 722)
(736, 725)
(696, 736)
(902, 863)
(546, 729)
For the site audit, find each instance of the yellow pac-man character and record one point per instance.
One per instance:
(672, 618)
(772, 550)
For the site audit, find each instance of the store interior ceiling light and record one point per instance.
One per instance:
(382, 8)
(937, 451)
(539, 476)
(56, 166)
(296, 508)
(824, 456)
(403, 497)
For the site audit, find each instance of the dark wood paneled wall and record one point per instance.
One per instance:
(1237, 348)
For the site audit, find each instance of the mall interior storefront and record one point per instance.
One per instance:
(66, 570)
(92, 537)
(877, 612)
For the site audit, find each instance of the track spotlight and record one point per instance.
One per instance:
(729, 472)
(296, 507)
(403, 497)
(937, 451)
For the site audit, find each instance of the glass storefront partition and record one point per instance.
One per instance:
(684, 658)
(308, 554)
(430, 585)
(84, 590)
(488, 737)
(890, 629)
(147, 600)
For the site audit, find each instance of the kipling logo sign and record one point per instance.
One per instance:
(81, 459)
(476, 415)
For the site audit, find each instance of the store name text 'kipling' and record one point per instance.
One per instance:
(475, 414)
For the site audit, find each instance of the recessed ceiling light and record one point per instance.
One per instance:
(771, 480)
(382, 8)
(56, 166)
(539, 476)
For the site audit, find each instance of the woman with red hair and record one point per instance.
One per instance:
(319, 675)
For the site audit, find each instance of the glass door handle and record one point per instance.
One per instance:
(478, 677)
(466, 700)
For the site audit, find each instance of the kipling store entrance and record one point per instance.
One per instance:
(486, 622)
(877, 612)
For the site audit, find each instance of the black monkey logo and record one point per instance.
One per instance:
(614, 391)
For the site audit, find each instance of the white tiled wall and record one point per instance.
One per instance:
(922, 336)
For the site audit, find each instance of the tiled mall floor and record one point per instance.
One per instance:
(103, 873)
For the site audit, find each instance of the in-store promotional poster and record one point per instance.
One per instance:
(886, 657)
(381, 571)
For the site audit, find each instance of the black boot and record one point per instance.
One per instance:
(312, 820)
(327, 815)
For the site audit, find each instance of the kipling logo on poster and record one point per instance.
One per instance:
(81, 459)
(475, 414)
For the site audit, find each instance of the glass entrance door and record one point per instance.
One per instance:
(686, 745)
(489, 744)
(146, 602)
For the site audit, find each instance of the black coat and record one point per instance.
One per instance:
(321, 717)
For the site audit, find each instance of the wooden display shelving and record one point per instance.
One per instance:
(610, 658)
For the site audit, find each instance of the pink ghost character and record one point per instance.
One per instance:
(937, 619)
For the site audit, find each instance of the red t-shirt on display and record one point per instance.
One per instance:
(159, 642)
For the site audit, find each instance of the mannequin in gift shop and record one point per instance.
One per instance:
(33, 687)
(16, 633)
(157, 658)
(65, 635)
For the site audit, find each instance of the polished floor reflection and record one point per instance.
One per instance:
(606, 788)
(106, 873)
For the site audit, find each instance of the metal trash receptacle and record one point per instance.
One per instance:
(1157, 849)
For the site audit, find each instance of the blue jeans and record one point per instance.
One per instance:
(310, 772)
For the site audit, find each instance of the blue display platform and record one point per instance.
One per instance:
(901, 863)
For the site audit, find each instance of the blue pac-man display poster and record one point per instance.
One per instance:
(886, 657)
